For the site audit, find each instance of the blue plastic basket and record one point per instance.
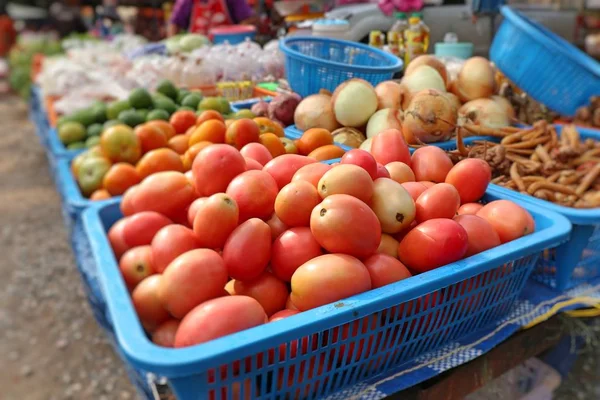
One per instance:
(543, 64)
(314, 63)
(390, 325)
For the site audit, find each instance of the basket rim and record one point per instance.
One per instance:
(550, 40)
(179, 363)
(284, 47)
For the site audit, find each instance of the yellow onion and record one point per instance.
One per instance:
(390, 94)
(348, 136)
(388, 118)
(354, 101)
(431, 61)
(483, 112)
(429, 118)
(506, 106)
(315, 111)
(475, 80)
(424, 77)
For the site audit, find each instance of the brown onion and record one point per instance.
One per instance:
(506, 106)
(388, 118)
(424, 77)
(432, 61)
(354, 101)
(475, 80)
(483, 112)
(348, 136)
(315, 111)
(390, 94)
(430, 118)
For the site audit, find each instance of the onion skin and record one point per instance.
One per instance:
(354, 101)
(476, 80)
(390, 94)
(424, 77)
(348, 136)
(366, 145)
(430, 117)
(388, 118)
(505, 105)
(315, 111)
(430, 60)
(483, 112)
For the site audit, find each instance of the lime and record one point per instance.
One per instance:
(92, 141)
(167, 88)
(85, 117)
(110, 123)
(140, 98)
(182, 94)
(157, 114)
(131, 118)
(116, 107)
(165, 104)
(99, 110)
(71, 132)
(76, 146)
(143, 112)
(95, 130)
(192, 100)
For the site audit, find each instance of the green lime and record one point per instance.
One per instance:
(71, 132)
(167, 88)
(95, 130)
(76, 146)
(245, 113)
(99, 110)
(116, 107)
(165, 104)
(85, 117)
(110, 123)
(143, 112)
(181, 95)
(92, 141)
(157, 114)
(140, 98)
(131, 118)
(192, 100)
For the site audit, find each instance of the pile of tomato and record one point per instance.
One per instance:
(247, 239)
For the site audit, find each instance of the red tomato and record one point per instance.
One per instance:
(252, 164)
(215, 167)
(510, 221)
(389, 146)
(283, 168)
(363, 159)
(432, 244)
(291, 249)
(427, 184)
(145, 300)
(400, 172)
(471, 178)
(388, 245)
(254, 193)
(257, 152)
(328, 278)
(269, 291)
(430, 163)
(183, 120)
(439, 201)
(140, 228)
(127, 202)
(215, 219)
(283, 314)
(481, 233)
(469, 209)
(136, 265)
(192, 278)
(168, 193)
(219, 317)
(311, 173)
(116, 239)
(248, 249)
(347, 179)
(295, 202)
(289, 304)
(414, 189)
(344, 224)
(193, 209)
(382, 171)
(277, 227)
(385, 269)
(164, 335)
(171, 242)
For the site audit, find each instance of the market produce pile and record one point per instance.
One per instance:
(244, 238)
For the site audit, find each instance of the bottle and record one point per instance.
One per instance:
(395, 36)
(376, 39)
(416, 39)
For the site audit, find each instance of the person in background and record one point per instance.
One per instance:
(199, 16)
(8, 34)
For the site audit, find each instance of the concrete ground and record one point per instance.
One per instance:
(50, 345)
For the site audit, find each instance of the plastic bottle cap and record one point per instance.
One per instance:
(399, 15)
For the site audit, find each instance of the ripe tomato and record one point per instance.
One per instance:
(510, 221)
(344, 224)
(400, 172)
(193, 209)
(241, 132)
(171, 242)
(191, 279)
(312, 139)
(207, 115)
(209, 131)
(164, 126)
(311, 173)
(471, 178)
(257, 152)
(481, 233)
(283, 168)
(151, 137)
(385, 269)
(215, 167)
(291, 249)
(273, 144)
(389, 146)
(382, 171)
(127, 202)
(363, 159)
(430, 163)
(215, 219)
(415, 189)
(136, 265)
(168, 193)
(439, 201)
(432, 244)
(164, 335)
(469, 209)
(179, 144)
(140, 228)
(183, 120)
(295, 202)
(157, 161)
(254, 193)
(116, 239)
(388, 245)
(119, 178)
(269, 291)
(145, 300)
(347, 179)
(328, 278)
(283, 314)
(393, 205)
(219, 317)
(247, 251)
(191, 153)
(252, 164)
(277, 227)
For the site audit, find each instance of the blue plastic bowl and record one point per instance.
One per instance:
(459, 50)
(410, 318)
(544, 65)
(314, 63)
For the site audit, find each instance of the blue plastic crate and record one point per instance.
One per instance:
(314, 63)
(394, 324)
(544, 65)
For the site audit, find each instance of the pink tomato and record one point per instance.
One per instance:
(254, 193)
(252, 164)
(414, 189)
(471, 178)
(291, 249)
(257, 152)
(430, 163)
(389, 146)
(248, 249)
(385, 269)
(363, 159)
(283, 168)
(311, 173)
(439, 201)
(510, 221)
(469, 209)
(171, 242)
(215, 219)
(215, 167)
(481, 233)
